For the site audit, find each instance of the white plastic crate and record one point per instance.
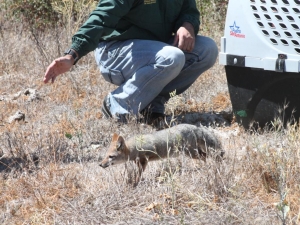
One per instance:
(260, 50)
(262, 34)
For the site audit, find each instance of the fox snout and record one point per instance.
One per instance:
(104, 165)
(106, 162)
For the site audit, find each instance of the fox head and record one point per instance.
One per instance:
(117, 152)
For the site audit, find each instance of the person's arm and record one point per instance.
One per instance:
(102, 21)
(187, 26)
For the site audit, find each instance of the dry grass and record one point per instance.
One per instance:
(49, 172)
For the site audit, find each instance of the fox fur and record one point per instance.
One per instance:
(194, 141)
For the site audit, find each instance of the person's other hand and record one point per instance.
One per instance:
(57, 67)
(185, 37)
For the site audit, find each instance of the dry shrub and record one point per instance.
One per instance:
(221, 102)
(33, 194)
(42, 15)
(212, 16)
(276, 158)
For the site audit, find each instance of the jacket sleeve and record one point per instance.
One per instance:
(189, 13)
(102, 21)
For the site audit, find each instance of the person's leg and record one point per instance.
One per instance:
(141, 69)
(202, 58)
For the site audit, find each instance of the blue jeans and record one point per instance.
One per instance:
(147, 71)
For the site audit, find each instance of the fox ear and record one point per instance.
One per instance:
(120, 142)
(115, 137)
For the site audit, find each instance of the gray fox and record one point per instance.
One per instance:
(197, 142)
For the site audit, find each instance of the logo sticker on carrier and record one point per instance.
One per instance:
(236, 32)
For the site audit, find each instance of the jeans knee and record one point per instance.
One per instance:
(210, 52)
(177, 57)
(172, 57)
(207, 51)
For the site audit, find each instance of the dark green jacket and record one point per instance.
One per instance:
(134, 19)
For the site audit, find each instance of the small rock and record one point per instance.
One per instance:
(17, 117)
(16, 96)
(33, 94)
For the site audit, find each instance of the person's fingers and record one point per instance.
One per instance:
(188, 44)
(50, 72)
(181, 43)
(47, 75)
(184, 44)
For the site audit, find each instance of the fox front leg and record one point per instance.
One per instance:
(141, 163)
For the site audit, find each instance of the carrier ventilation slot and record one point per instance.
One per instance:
(279, 22)
(276, 33)
(265, 32)
(254, 8)
(295, 26)
(274, 9)
(290, 18)
(288, 34)
(296, 43)
(273, 41)
(264, 9)
(285, 10)
(260, 24)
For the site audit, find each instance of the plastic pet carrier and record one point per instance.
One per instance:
(260, 50)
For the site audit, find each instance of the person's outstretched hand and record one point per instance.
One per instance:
(57, 67)
(185, 37)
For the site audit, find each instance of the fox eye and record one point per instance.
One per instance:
(111, 156)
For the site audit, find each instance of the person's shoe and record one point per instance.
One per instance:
(121, 118)
(105, 108)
